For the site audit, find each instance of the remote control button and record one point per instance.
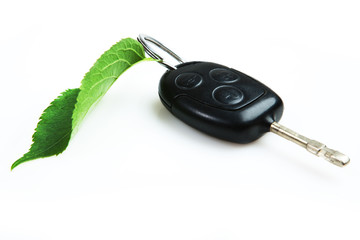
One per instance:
(223, 75)
(227, 95)
(188, 80)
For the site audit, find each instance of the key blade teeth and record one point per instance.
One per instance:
(335, 157)
(340, 159)
(317, 148)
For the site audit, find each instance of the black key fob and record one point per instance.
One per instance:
(226, 103)
(220, 101)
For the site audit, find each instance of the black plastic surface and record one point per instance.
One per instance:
(220, 101)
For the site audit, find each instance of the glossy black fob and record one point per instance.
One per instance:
(220, 101)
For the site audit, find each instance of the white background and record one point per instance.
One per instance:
(133, 171)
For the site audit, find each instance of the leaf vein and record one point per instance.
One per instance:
(100, 81)
(131, 49)
(119, 60)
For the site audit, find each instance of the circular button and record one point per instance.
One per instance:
(223, 75)
(227, 95)
(188, 80)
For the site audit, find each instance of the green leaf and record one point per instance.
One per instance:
(59, 121)
(103, 74)
(53, 131)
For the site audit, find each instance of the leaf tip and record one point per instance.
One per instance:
(15, 164)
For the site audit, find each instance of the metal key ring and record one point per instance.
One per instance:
(142, 38)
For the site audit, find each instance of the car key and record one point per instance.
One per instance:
(226, 103)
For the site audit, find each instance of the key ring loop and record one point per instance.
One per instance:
(142, 38)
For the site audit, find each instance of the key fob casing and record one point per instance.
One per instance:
(220, 101)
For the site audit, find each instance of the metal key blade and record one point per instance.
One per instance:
(315, 147)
